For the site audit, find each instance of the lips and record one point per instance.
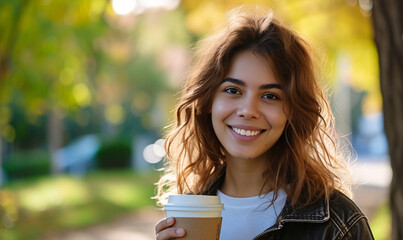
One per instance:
(246, 132)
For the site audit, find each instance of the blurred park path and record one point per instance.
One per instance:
(138, 225)
(374, 178)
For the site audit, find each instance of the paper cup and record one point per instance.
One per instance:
(199, 215)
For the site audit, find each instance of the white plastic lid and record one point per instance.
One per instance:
(193, 206)
(183, 199)
(194, 202)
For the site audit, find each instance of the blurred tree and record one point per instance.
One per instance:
(388, 24)
(7, 43)
(41, 65)
(79, 61)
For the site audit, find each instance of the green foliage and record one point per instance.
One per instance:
(76, 59)
(114, 154)
(36, 208)
(27, 165)
(28, 134)
(381, 223)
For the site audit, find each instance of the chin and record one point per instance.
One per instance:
(243, 156)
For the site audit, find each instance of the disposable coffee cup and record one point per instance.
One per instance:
(199, 215)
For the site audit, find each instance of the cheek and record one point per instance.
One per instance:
(277, 118)
(215, 113)
(220, 107)
(282, 114)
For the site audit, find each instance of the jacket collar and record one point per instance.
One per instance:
(316, 212)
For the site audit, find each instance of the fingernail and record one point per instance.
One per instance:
(170, 220)
(180, 231)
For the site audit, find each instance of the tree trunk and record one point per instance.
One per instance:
(6, 52)
(5, 59)
(1, 160)
(55, 138)
(388, 28)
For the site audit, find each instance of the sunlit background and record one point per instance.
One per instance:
(88, 87)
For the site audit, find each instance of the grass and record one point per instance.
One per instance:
(31, 209)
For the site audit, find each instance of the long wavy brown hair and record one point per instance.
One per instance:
(307, 160)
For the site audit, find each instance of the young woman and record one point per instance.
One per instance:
(254, 127)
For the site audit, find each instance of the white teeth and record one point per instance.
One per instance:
(244, 132)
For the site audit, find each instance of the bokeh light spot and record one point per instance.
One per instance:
(123, 7)
(5, 115)
(8, 132)
(82, 94)
(154, 153)
(115, 114)
(158, 148)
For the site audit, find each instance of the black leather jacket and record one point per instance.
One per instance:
(336, 218)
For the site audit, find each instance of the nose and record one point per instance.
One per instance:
(248, 108)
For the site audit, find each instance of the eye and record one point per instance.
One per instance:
(231, 90)
(270, 96)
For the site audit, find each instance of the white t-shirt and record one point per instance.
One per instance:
(245, 218)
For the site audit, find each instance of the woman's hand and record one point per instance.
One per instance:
(165, 231)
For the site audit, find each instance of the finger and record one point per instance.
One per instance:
(170, 233)
(163, 224)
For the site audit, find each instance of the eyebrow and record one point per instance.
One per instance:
(243, 84)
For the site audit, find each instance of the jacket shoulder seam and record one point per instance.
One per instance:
(358, 218)
(345, 227)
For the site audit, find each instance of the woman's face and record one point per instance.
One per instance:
(248, 108)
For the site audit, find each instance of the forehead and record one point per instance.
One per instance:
(249, 66)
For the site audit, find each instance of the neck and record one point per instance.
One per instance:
(244, 178)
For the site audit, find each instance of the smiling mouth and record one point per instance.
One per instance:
(244, 132)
